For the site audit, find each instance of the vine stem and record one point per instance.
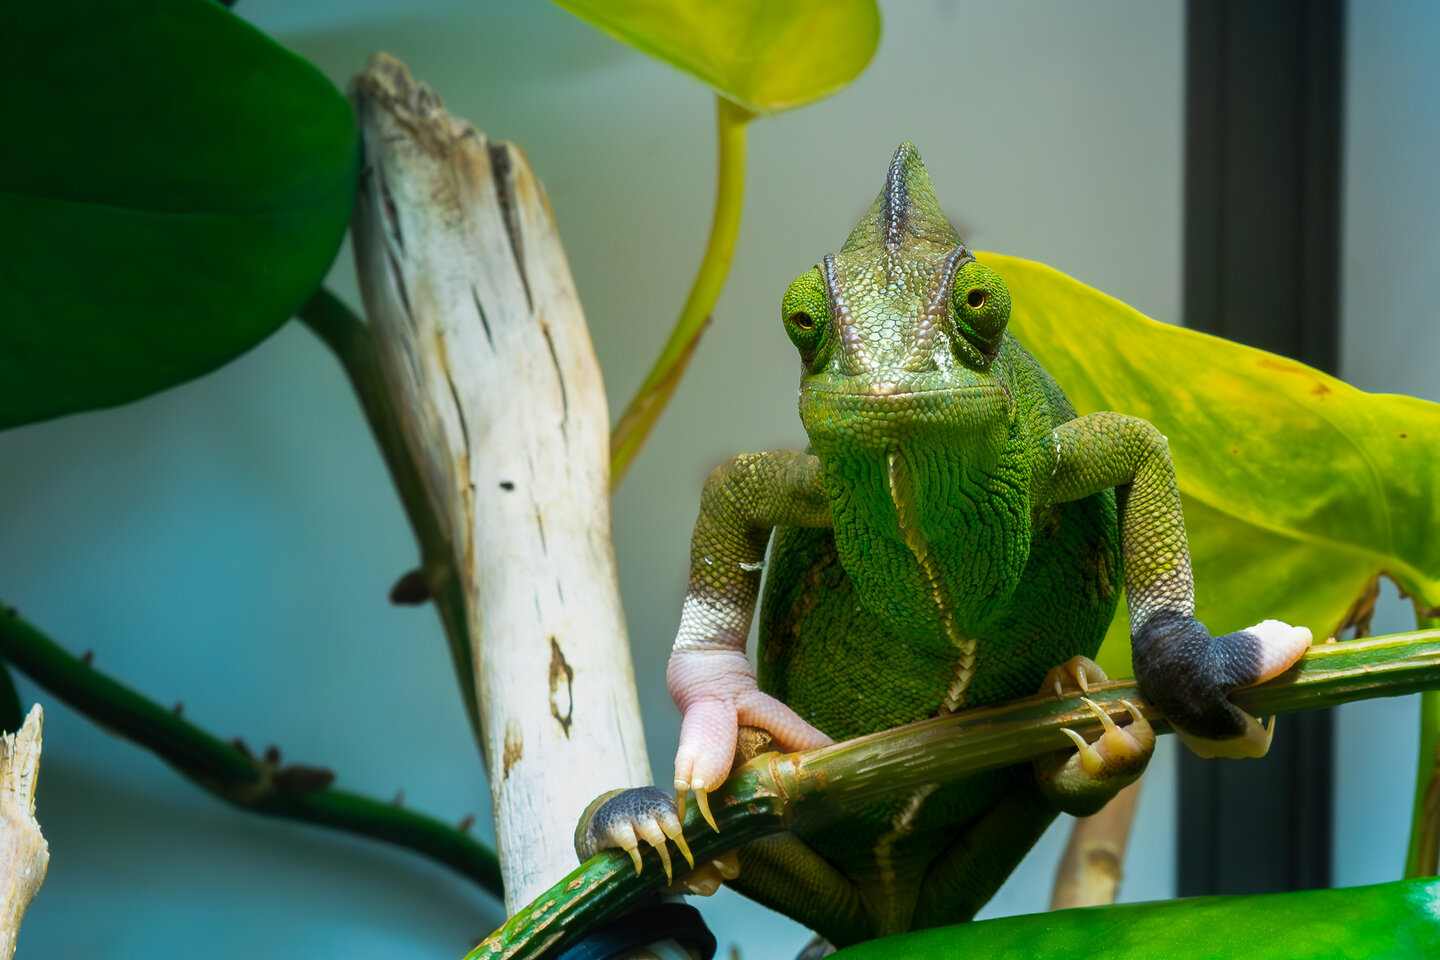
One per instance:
(1423, 855)
(349, 339)
(635, 424)
(227, 770)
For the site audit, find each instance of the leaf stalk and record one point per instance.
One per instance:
(636, 422)
(1423, 854)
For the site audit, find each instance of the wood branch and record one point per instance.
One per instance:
(486, 354)
(1094, 860)
(24, 854)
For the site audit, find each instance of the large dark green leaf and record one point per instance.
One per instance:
(767, 55)
(1298, 488)
(173, 184)
(1391, 920)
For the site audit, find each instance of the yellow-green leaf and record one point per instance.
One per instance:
(767, 55)
(1298, 488)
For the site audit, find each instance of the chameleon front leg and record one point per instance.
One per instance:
(709, 677)
(1181, 668)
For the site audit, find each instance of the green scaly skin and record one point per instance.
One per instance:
(953, 534)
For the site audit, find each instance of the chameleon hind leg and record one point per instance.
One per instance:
(966, 874)
(786, 874)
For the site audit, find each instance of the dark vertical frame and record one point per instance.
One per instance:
(1262, 266)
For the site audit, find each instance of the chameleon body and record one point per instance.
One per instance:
(953, 534)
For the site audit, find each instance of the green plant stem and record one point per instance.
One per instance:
(634, 425)
(1423, 855)
(230, 772)
(800, 790)
(349, 339)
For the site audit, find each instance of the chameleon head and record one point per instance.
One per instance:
(903, 324)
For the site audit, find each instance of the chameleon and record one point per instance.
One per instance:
(955, 535)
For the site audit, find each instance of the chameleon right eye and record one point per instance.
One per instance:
(806, 312)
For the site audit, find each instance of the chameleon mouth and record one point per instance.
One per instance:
(884, 394)
(875, 421)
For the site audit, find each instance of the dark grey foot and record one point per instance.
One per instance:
(1189, 674)
(623, 819)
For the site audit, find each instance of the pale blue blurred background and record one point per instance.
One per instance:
(230, 543)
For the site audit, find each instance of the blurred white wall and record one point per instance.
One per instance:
(230, 543)
(1390, 343)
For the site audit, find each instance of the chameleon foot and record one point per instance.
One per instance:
(705, 879)
(1188, 674)
(1081, 783)
(717, 695)
(1075, 675)
(623, 818)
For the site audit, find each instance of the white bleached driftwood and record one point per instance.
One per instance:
(24, 854)
(486, 355)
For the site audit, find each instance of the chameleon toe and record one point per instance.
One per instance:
(1075, 675)
(1252, 743)
(670, 825)
(705, 879)
(649, 831)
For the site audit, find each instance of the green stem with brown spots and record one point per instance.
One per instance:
(227, 770)
(779, 791)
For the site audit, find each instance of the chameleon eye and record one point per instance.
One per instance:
(806, 312)
(982, 306)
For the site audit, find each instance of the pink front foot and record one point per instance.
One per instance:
(716, 692)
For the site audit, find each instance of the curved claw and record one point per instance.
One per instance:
(1090, 760)
(702, 800)
(677, 836)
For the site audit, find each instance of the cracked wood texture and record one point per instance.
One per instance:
(24, 854)
(486, 354)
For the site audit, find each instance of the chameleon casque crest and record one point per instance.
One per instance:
(954, 536)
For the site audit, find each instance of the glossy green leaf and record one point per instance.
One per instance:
(1391, 920)
(767, 55)
(1298, 488)
(174, 185)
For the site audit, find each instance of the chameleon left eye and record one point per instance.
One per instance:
(982, 305)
